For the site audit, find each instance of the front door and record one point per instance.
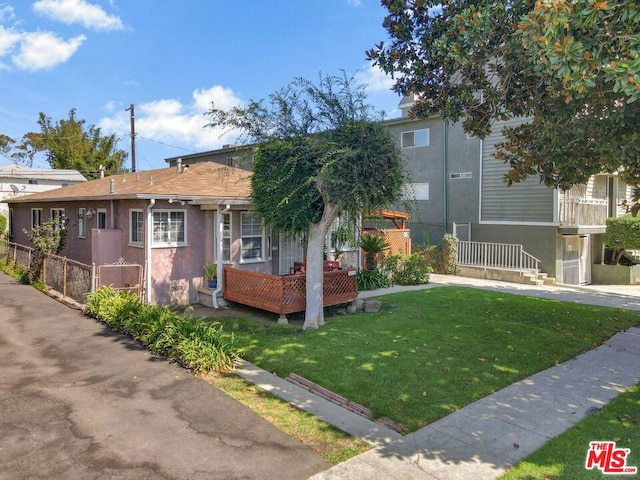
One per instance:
(576, 260)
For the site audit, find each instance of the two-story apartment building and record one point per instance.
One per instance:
(459, 188)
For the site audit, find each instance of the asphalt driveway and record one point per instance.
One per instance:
(78, 401)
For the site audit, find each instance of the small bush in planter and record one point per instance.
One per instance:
(211, 274)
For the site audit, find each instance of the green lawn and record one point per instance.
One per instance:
(563, 458)
(430, 352)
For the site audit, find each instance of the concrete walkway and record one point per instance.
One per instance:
(487, 437)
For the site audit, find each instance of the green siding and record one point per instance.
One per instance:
(526, 202)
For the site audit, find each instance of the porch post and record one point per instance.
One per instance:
(147, 249)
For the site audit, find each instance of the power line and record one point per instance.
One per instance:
(166, 144)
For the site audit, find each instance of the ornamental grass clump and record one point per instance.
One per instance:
(199, 345)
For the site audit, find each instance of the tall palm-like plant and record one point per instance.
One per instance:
(372, 245)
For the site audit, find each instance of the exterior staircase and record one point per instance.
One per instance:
(531, 277)
(500, 261)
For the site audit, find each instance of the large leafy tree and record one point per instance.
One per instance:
(571, 68)
(67, 144)
(320, 150)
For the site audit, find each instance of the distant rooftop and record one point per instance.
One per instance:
(17, 171)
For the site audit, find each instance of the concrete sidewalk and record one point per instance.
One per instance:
(487, 437)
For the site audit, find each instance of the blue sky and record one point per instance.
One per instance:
(171, 59)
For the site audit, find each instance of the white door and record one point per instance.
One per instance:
(576, 260)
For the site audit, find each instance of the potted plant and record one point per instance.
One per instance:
(211, 273)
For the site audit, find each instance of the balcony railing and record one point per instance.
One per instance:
(576, 211)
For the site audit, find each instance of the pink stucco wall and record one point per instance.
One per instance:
(177, 272)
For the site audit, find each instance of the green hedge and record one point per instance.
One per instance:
(406, 269)
(623, 233)
(197, 344)
(442, 258)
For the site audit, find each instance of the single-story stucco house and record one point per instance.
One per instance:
(172, 221)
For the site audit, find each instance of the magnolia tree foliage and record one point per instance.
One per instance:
(320, 150)
(67, 144)
(570, 67)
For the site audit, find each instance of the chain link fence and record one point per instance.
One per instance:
(72, 279)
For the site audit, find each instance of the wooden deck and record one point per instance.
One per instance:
(285, 294)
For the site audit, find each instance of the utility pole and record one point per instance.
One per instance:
(133, 138)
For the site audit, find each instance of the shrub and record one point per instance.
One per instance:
(406, 269)
(623, 233)
(442, 258)
(192, 342)
(372, 279)
(3, 224)
(114, 308)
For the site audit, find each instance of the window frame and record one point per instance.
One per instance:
(99, 212)
(137, 242)
(170, 242)
(57, 215)
(36, 222)
(82, 223)
(413, 143)
(227, 237)
(261, 257)
(418, 191)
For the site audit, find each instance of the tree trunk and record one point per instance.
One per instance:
(370, 262)
(314, 314)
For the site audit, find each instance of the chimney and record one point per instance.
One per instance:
(112, 186)
(179, 165)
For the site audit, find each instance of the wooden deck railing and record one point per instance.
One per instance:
(285, 294)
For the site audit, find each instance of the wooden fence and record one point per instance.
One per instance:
(285, 294)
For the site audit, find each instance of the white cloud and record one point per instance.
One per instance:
(6, 13)
(8, 38)
(43, 50)
(170, 121)
(375, 79)
(355, 3)
(78, 11)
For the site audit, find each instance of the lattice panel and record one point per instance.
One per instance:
(397, 241)
(285, 294)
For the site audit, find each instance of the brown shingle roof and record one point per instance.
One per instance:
(200, 181)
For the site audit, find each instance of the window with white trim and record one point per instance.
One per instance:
(102, 218)
(415, 138)
(136, 227)
(252, 237)
(36, 217)
(169, 228)
(226, 237)
(416, 191)
(82, 222)
(57, 217)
